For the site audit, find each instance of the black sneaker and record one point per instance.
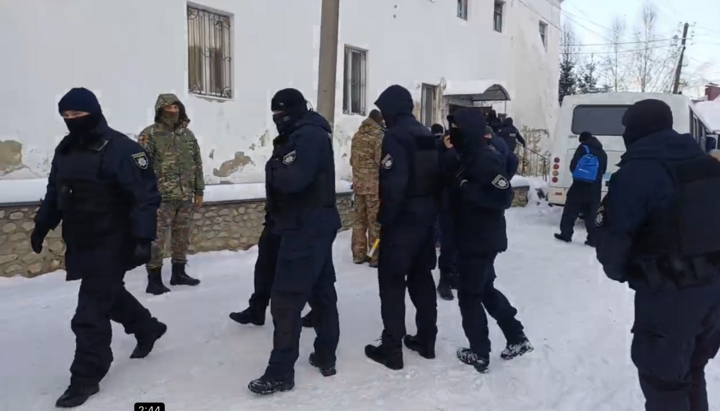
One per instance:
(268, 386)
(146, 342)
(249, 316)
(415, 344)
(382, 355)
(326, 371)
(467, 356)
(514, 350)
(155, 284)
(180, 277)
(76, 395)
(563, 238)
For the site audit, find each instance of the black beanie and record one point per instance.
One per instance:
(288, 100)
(79, 99)
(584, 136)
(437, 129)
(644, 118)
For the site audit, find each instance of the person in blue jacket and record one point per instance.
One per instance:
(481, 191)
(658, 232)
(300, 186)
(409, 195)
(103, 189)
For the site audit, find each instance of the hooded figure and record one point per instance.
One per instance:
(658, 231)
(302, 214)
(511, 134)
(481, 192)
(409, 194)
(176, 157)
(102, 188)
(583, 197)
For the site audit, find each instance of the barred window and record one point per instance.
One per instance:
(354, 85)
(498, 16)
(462, 9)
(209, 53)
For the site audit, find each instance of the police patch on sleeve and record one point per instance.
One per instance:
(600, 217)
(387, 162)
(501, 182)
(289, 158)
(141, 160)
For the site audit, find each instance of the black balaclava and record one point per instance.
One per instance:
(291, 106)
(644, 118)
(81, 99)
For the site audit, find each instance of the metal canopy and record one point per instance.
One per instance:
(477, 90)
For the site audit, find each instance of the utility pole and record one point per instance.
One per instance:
(327, 70)
(678, 70)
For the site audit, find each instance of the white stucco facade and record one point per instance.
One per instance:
(130, 51)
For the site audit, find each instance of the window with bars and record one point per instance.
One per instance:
(428, 104)
(543, 33)
(462, 9)
(498, 16)
(209, 53)
(355, 81)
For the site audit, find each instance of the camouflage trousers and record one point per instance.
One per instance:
(365, 228)
(176, 216)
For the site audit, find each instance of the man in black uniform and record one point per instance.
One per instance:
(103, 189)
(409, 196)
(477, 174)
(300, 185)
(658, 231)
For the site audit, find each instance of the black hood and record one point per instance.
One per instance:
(394, 102)
(472, 123)
(592, 142)
(315, 119)
(508, 121)
(666, 145)
(644, 118)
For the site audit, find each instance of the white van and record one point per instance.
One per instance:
(601, 115)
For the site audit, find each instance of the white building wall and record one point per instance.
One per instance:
(130, 51)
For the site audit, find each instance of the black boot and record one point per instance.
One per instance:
(267, 386)
(180, 277)
(249, 316)
(76, 395)
(325, 370)
(307, 321)
(146, 341)
(425, 349)
(155, 284)
(467, 356)
(563, 238)
(444, 289)
(518, 347)
(391, 358)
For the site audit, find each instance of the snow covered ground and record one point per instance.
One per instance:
(578, 320)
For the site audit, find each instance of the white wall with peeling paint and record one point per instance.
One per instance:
(129, 51)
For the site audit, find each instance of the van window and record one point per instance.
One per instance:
(598, 120)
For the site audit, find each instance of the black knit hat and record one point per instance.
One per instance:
(79, 99)
(287, 100)
(584, 136)
(644, 118)
(437, 129)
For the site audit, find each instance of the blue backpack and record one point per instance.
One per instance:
(588, 167)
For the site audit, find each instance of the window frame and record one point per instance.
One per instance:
(220, 69)
(498, 17)
(433, 90)
(463, 9)
(543, 29)
(348, 57)
(575, 131)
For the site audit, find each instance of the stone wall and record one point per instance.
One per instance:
(233, 225)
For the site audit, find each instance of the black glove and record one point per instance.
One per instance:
(142, 253)
(36, 240)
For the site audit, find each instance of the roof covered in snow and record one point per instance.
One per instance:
(710, 112)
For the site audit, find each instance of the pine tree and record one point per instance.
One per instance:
(587, 80)
(568, 79)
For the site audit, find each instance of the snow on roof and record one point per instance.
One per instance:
(709, 111)
(33, 190)
(478, 90)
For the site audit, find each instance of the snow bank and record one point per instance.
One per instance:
(27, 191)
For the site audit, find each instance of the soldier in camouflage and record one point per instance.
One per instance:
(365, 162)
(175, 154)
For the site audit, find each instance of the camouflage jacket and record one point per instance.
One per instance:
(175, 154)
(365, 153)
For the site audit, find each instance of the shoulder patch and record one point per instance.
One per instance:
(289, 158)
(387, 162)
(501, 182)
(600, 217)
(141, 160)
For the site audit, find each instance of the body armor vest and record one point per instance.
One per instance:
(680, 242)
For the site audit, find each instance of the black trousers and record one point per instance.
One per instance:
(305, 273)
(101, 300)
(581, 198)
(406, 260)
(265, 267)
